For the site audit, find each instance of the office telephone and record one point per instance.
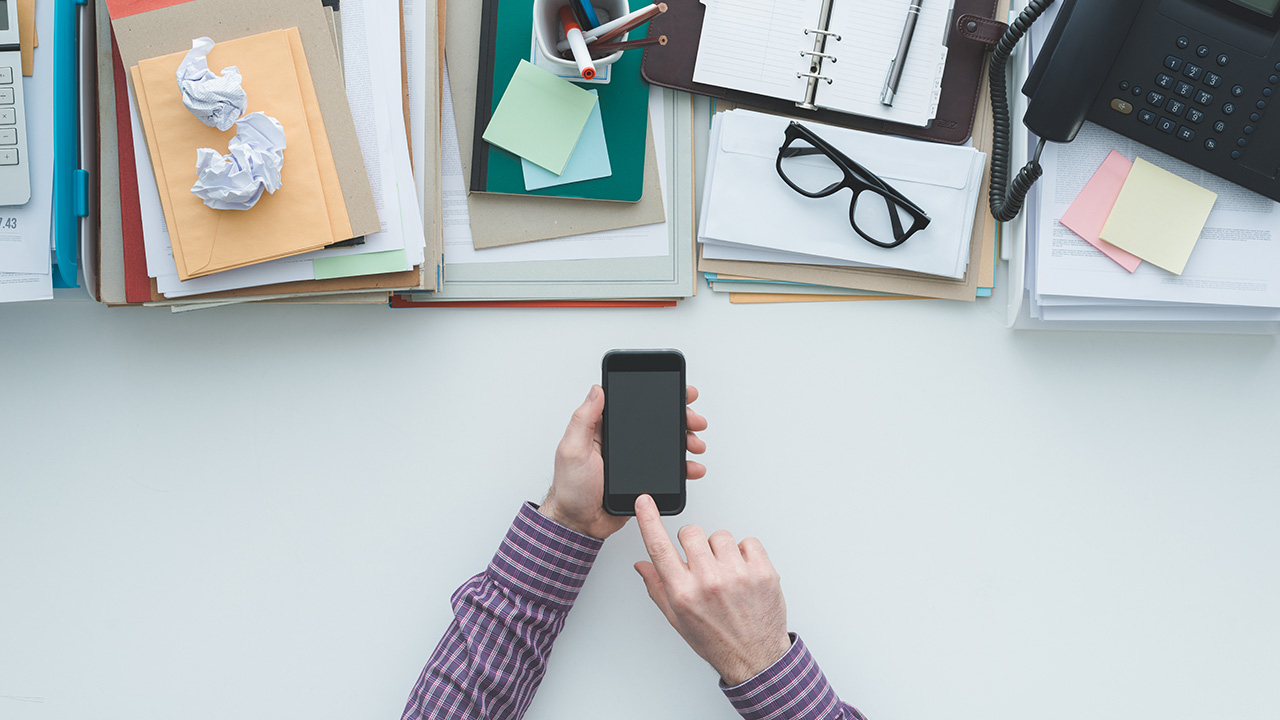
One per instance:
(1196, 79)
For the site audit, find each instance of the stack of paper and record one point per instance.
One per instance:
(353, 217)
(754, 227)
(1119, 236)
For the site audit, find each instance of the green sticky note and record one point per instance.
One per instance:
(375, 263)
(540, 117)
(1158, 216)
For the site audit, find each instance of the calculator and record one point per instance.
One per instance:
(15, 162)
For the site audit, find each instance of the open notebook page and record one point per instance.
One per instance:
(870, 32)
(755, 45)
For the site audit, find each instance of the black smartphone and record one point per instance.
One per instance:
(643, 430)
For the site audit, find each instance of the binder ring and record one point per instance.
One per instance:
(815, 76)
(822, 32)
(811, 53)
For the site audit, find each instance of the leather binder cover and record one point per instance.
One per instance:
(671, 65)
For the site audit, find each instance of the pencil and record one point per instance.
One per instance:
(601, 50)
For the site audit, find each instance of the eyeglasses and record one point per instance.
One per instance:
(875, 221)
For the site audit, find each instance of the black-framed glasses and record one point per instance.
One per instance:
(889, 214)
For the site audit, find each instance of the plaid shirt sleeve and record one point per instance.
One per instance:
(793, 688)
(489, 663)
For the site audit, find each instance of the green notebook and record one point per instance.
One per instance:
(506, 37)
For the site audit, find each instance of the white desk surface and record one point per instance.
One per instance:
(261, 512)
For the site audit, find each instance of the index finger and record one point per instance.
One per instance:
(656, 541)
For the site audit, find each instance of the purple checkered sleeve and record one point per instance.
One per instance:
(491, 660)
(793, 688)
(489, 663)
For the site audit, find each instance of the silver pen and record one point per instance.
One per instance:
(900, 59)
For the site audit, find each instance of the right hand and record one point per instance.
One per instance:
(726, 601)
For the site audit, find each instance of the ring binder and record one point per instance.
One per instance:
(811, 53)
(815, 77)
(822, 32)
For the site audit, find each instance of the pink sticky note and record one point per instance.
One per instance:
(1089, 213)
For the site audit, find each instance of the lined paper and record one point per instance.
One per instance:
(755, 45)
(870, 32)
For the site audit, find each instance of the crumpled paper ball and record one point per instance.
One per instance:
(235, 181)
(215, 100)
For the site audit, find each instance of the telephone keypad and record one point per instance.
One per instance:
(1155, 98)
(1165, 125)
(1175, 107)
(1194, 115)
(1186, 133)
(1193, 71)
(1185, 89)
(1213, 80)
(1204, 98)
(1174, 63)
(1146, 117)
(1164, 81)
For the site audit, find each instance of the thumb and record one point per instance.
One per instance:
(582, 426)
(657, 590)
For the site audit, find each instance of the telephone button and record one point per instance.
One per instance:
(1213, 80)
(1155, 98)
(1194, 115)
(1175, 107)
(1237, 91)
(1175, 63)
(1124, 107)
(1228, 109)
(1266, 92)
(1204, 98)
(1164, 81)
(1223, 59)
(1219, 126)
(1255, 117)
(1202, 51)
(1235, 154)
(1165, 125)
(1210, 144)
(1242, 142)
(1183, 42)
(1124, 86)
(1274, 79)
(1248, 129)
(1185, 89)
(1186, 133)
(1137, 91)
(1193, 71)
(1262, 104)
(1146, 117)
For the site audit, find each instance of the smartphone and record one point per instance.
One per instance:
(643, 431)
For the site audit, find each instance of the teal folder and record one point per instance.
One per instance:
(506, 36)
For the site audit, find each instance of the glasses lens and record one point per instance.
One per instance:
(809, 169)
(874, 215)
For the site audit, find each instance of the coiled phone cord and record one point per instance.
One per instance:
(1006, 200)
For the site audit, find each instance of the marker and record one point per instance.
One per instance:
(573, 32)
(585, 13)
(647, 13)
(599, 50)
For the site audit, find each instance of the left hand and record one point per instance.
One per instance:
(576, 497)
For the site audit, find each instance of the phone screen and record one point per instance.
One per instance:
(644, 428)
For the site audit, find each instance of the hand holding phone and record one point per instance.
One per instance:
(577, 486)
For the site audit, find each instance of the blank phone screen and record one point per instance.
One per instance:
(646, 451)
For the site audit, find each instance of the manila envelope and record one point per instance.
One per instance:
(149, 28)
(293, 220)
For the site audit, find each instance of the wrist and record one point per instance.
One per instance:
(551, 511)
(749, 665)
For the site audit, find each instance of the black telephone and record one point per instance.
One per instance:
(1195, 79)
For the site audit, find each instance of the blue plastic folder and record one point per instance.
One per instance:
(70, 181)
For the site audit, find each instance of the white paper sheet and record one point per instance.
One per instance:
(642, 241)
(745, 202)
(754, 45)
(1235, 262)
(24, 229)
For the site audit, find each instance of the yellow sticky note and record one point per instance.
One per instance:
(1158, 216)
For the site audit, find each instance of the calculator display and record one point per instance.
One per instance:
(1266, 7)
(4, 15)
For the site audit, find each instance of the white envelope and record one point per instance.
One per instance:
(746, 203)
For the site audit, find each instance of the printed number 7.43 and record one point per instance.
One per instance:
(8, 223)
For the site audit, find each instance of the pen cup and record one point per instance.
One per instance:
(546, 25)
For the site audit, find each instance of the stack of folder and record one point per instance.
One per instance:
(355, 216)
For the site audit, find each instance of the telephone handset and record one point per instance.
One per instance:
(1192, 78)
